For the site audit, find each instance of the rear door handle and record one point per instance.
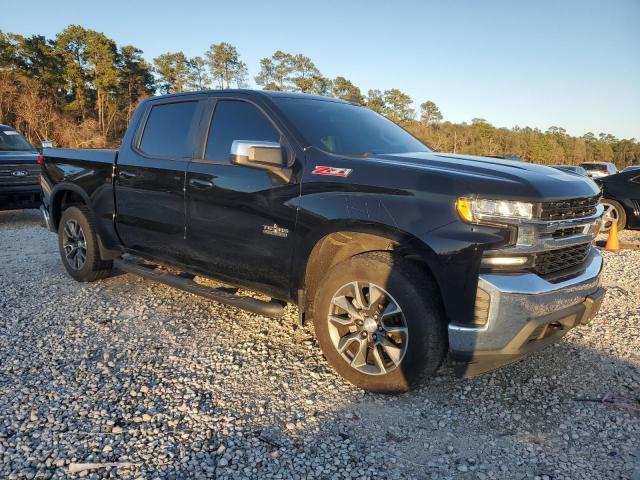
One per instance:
(124, 174)
(201, 184)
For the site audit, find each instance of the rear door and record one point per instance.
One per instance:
(240, 223)
(150, 179)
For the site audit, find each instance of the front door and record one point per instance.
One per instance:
(240, 223)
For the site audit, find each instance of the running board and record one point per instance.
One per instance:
(273, 308)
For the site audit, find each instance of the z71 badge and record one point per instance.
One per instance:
(331, 171)
(275, 230)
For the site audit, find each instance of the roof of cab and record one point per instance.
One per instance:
(264, 93)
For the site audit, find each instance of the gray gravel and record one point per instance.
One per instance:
(149, 382)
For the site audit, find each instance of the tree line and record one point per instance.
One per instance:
(80, 88)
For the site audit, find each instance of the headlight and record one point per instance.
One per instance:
(476, 210)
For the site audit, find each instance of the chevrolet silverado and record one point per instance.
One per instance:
(398, 255)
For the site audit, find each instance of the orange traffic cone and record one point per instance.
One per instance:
(612, 242)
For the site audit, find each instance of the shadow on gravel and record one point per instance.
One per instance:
(182, 388)
(569, 411)
(549, 415)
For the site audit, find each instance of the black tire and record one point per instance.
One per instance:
(619, 212)
(417, 297)
(92, 268)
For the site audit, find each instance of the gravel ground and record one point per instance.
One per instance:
(150, 382)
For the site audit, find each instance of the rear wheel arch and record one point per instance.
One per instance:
(79, 245)
(63, 197)
(69, 195)
(340, 244)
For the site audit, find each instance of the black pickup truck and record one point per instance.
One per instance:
(397, 254)
(19, 171)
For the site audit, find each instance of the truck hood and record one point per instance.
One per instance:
(497, 178)
(18, 156)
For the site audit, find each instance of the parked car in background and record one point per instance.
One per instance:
(19, 171)
(577, 169)
(599, 169)
(631, 167)
(621, 198)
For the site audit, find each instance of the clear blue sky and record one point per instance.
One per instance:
(570, 63)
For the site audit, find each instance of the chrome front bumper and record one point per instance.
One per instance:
(526, 312)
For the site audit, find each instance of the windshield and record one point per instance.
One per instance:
(346, 129)
(12, 141)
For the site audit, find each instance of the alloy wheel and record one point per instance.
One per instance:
(74, 244)
(609, 216)
(368, 328)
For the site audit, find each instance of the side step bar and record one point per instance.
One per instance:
(272, 308)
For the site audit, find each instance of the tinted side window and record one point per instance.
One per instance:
(167, 132)
(236, 120)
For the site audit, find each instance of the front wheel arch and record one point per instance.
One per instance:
(424, 342)
(345, 242)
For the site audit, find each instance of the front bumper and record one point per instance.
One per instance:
(21, 196)
(526, 313)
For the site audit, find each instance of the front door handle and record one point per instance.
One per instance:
(201, 184)
(126, 175)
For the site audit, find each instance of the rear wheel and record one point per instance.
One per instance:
(613, 212)
(78, 245)
(379, 323)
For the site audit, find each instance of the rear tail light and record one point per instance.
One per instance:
(40, 159)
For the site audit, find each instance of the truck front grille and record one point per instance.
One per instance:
(561, 258)
(567, 232)
(13, 174)
(567, 209)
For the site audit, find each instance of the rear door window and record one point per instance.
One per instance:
(168, 131)
(236, 120)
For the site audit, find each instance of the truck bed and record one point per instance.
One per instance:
(100, 155)
(87, 173)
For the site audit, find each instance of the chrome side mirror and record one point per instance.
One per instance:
(262, 155)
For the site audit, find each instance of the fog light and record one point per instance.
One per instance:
(481, 310)
(503, 261)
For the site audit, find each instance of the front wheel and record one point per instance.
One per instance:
(78, 245)
(379, 323)
(613, 212)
